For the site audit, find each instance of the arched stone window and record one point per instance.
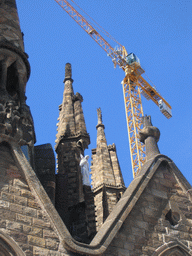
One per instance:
(8, 247)
(174, 248)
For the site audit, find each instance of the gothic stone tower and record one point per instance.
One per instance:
(107, 180)
(15, 117)
(74, 202)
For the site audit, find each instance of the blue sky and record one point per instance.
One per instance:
(158, 32)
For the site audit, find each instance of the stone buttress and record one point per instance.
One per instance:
(74, 202)
(107, 180)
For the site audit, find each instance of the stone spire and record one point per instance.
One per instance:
(66, 125)
(71, 141)
(105, 171)
(150, 136)
(107, 180)
(71, 119)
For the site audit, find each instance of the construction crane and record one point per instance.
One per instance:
(133, 85)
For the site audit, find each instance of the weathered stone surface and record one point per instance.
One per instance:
(33, 231)
(37, 241)
(41, 223)
(24, 219)
(107, 180)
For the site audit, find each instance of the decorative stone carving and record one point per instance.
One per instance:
(16, 122)
(99, 115)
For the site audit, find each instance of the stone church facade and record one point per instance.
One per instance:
(43, 212)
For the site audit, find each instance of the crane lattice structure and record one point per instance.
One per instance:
(133, 85)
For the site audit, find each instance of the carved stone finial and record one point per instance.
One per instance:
(99, 115)
(68, 72)
(149, 135)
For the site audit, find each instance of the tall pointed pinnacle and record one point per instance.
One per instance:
(101, 139)
(107, 180)
(71, 119)
(105, 166)
(104, 171)
(66, 125)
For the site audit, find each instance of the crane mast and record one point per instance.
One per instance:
(133, 86)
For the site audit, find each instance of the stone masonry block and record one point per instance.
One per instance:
(27, 194)
(49, 234)
(17, 208)
(52, 244)
(41, 215)
(7, 197)
(23, 210)
(32, 231)
(14, 226)
(19, 237)
(33, 204)
(37, 241)
(30, 212)
(41, 223)
(24, 219)
(20, 200)
(7, 215)
(40, 251)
